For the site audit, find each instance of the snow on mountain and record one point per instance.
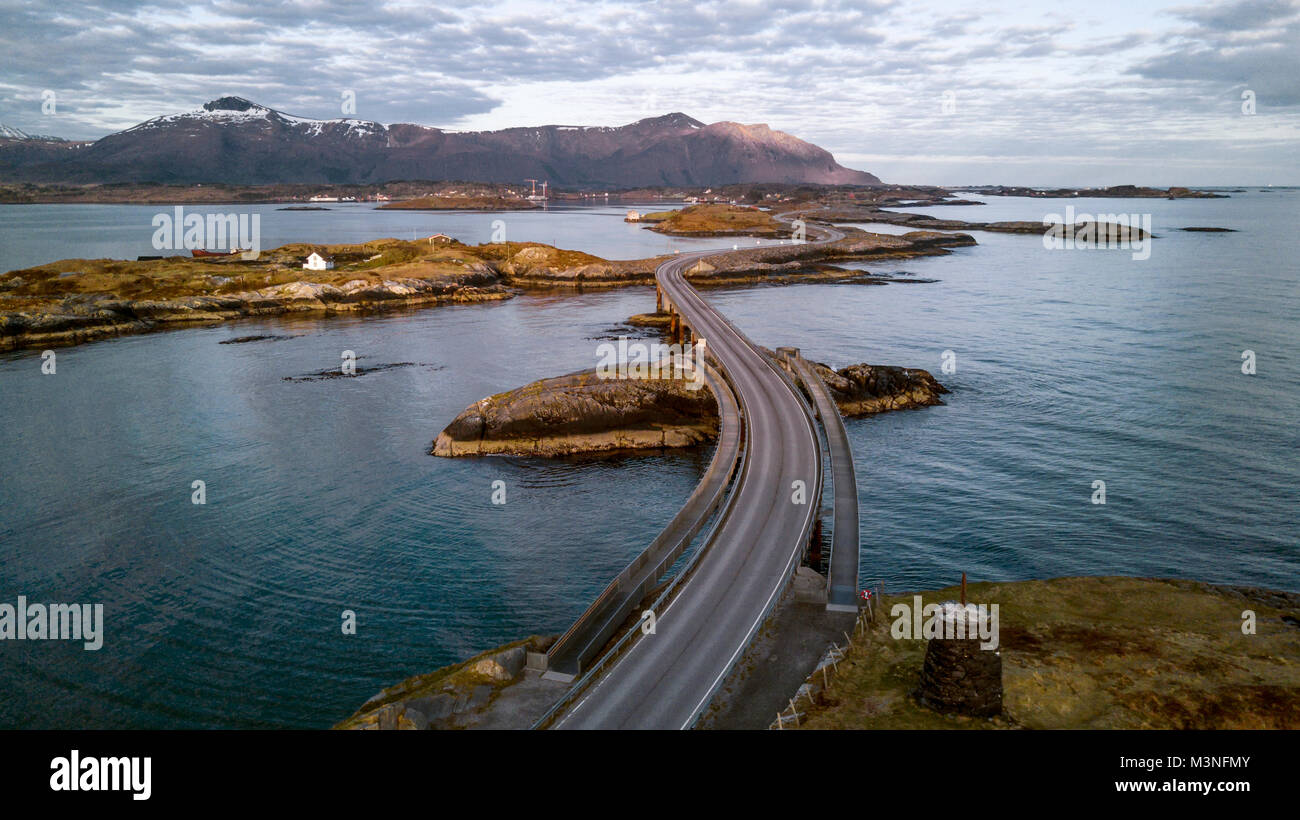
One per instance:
(236, 141)
(239, 111)
(9, 133)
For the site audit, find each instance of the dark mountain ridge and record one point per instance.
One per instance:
(233, 140)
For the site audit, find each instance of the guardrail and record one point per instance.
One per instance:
(842, 568)
(630, 636)
(796, 555)
(602, 618)
(737, 475)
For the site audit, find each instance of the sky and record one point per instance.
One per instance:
(915, 91)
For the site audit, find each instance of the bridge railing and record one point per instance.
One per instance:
(843, 566)
(809, 521)
(625, 642)
(602, 618)
(737, 475)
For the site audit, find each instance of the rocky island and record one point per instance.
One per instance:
(78, 300)
(717, 220)
(584, 413)
(1114, 191)
(869, 213)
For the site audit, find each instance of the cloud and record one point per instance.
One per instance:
(862, 79)
(1250, 44)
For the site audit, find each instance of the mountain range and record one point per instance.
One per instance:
(232, 140)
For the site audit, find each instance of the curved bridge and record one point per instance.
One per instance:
(665, 680)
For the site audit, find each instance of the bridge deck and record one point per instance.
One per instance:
(573, 652)
(667, 678)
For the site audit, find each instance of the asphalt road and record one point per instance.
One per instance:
(576, 648)
(667, 679)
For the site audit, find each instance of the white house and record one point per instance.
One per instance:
(632, 216)
(318, 262)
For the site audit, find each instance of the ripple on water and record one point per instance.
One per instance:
(321, 496)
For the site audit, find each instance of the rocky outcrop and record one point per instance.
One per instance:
(808, 262)
(1115, 191)
(79, 300)
(503, 666)
(548, 266)
(454, 697)
(718, 220)
(83, 317)
(924, 222)
(809, 586)
(583, 413)
(864, 389)
(1083, 653)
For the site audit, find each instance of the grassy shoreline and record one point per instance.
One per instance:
(71, 301)
(1096, 652)
(1104, 652)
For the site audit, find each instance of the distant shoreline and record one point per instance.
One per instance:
(393, 193)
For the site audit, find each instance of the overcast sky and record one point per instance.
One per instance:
(1038, 93)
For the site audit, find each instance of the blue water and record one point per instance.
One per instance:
(1075, 366)
(1072, 366)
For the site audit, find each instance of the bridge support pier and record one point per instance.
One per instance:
(814, 550)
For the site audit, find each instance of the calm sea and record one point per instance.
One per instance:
(1072, 366)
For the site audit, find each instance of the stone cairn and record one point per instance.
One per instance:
(957, 676)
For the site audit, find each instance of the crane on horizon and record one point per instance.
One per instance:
(534, 195)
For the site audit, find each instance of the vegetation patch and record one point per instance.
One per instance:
(717, 220)
(1112, 653)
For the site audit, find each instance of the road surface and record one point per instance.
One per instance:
(667, 679)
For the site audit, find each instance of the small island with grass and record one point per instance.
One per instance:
(715, 220)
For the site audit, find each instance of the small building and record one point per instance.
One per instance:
(318, 262)
(439, 239)
(632, 216)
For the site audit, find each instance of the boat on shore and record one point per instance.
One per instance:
(202, 252)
